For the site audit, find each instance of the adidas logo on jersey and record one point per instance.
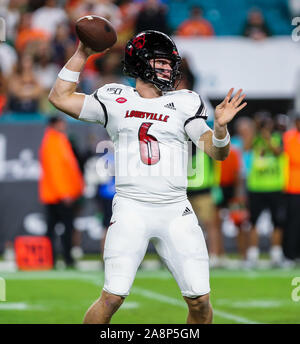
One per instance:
(170, 106)
(187, 211)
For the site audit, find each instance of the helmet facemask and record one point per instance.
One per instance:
(164, 84)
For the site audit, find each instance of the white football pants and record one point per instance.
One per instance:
(176, 236)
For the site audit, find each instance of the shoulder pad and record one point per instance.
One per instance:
(191, 103)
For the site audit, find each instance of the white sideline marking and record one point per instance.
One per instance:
(130, 305)
(252, 303)
(20, 306)
(167, 299)
(233, 317)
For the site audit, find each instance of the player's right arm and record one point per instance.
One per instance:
(63, 94)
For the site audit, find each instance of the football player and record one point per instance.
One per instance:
(149, 126)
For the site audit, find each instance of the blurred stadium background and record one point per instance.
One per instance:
(236, 43)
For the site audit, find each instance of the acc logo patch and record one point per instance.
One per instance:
(121, 100)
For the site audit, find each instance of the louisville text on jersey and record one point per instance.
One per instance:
(146, 115)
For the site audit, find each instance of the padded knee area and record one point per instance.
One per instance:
(119, 274)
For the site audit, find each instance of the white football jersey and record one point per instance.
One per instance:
(150, 138)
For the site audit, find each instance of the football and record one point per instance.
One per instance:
(96, 32)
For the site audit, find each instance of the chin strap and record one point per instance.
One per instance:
(157, 88)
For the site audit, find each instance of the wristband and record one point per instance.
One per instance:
(221, 143)
(68, 75)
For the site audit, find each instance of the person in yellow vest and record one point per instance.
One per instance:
(202, 177)
(265, 184)
(291, 238)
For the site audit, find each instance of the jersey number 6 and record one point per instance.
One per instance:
(149, 148)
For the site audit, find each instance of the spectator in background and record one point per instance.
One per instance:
(102, 8)
(291, 238)
(265, 184)
(44, 69)
(63, 45)
(48, 17)
(45, 72)
(256, 27)
(60, 184)
(196, 25)
(70, 5)
(238, 212)
(242, 141)
(26, 35)
(153, 16)
(282, 122)
(24, 90)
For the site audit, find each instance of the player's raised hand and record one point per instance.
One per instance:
(83, 49)
(226, 110)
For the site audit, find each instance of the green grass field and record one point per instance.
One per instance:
(238, 296)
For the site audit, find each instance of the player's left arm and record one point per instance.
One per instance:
(217, 142)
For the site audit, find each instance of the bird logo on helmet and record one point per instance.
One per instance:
(147, 45)
(139, 41)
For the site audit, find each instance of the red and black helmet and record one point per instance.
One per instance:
(149, 45)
